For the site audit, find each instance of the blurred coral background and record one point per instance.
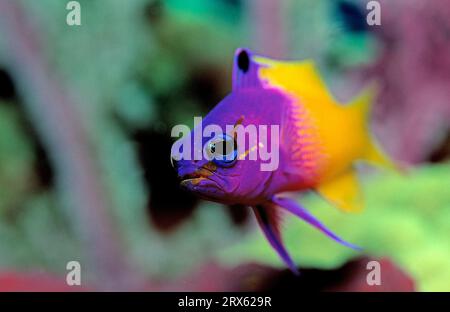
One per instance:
(85, 119)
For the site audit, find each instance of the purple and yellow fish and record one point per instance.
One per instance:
(319, 142)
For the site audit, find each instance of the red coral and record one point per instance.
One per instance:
(35, 282)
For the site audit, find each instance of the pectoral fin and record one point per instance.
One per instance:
(343, 191)
(268, 220)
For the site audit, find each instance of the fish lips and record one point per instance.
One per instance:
(201, 181)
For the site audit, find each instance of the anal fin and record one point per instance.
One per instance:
(343, 191)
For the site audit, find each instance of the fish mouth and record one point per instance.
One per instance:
(204, 175)
(191, 179)
(195, 177)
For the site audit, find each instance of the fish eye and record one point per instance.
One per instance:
(223, 151)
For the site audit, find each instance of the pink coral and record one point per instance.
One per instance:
(414, 75)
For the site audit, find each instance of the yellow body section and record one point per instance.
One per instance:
(341, 131)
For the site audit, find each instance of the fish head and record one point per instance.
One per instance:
(221, 158)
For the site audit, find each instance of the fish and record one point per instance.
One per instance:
(319, 141)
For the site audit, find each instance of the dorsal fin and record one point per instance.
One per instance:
(297, 77)
(245, 70)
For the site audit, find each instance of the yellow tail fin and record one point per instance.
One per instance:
(373, 154)
(343, 190)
